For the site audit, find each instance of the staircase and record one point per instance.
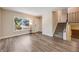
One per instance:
(61, 27)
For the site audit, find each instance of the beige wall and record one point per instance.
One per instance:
(37, 25)
(75, 26)
(73, 9)
(55, 20)
(68, 32)
(62, 15)
(0, 23)
(72, 19)
(8, 25)
(69, 27)
(59, 16)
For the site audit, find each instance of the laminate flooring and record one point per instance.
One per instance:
(38, 43)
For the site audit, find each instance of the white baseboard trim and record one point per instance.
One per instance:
(47, 35)
(3, 37)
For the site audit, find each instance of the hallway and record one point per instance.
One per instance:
(38, 43)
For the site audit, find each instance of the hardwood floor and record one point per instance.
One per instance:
(38, 43)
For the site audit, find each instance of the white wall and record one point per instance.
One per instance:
(47, 23)
(8, 25)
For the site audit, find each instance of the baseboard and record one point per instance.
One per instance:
(35, 32)
(4, 37)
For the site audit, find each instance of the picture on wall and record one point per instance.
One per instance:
(21, 23)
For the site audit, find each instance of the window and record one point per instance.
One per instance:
(21, 23)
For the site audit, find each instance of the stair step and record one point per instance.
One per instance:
(60, 36)
(60, 29)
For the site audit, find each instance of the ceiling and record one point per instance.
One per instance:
(36, 11)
